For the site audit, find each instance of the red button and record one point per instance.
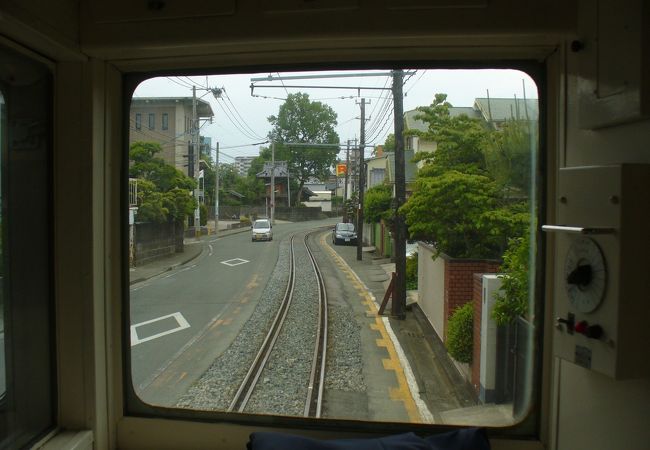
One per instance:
(581, 327)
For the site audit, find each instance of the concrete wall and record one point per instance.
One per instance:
(154, 241)
(299, 214)
(431, 294)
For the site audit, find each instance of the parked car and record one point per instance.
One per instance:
(344, 233)
(262, 230)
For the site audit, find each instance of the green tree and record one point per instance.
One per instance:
(512, 298)
(462, 215)
(459, 139)
(303, 121)
(377, 203)
(164, 192)
(456, 204)
(508, 154)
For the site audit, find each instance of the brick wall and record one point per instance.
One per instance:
(459, 281)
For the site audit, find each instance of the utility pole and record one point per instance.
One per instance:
(347, 170)
(216, 193)
(272, 183)
(362, 146)
(197, 158)
(399, 292)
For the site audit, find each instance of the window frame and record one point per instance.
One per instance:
(152, 121)
(527, 428)
(28, 254)
(165, 121)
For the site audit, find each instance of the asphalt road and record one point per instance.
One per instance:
(183, 319)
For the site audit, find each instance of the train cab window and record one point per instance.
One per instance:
(311, 320)
(27, 375)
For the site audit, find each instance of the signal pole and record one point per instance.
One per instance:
(362, 146)
(399, 293)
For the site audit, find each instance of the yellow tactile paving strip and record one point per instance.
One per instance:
(402, 392)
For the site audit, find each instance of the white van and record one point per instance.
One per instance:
(262, 230)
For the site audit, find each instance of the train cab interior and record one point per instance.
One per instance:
(67, 70)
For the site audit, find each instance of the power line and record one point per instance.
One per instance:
(381, 118)
(240, 116)
(235, 123)
(416, 82)
(383, 127)
(179, 82)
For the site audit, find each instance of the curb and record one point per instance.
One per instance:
(169, 268)
(223, 234)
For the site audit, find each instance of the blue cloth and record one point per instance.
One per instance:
(463, 439)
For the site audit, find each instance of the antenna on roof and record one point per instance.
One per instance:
(516, 107)
(523, 84)
(489, 107)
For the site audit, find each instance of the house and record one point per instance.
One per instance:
(168, 121)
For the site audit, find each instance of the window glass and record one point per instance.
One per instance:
(138, 121)
(152, 121)
(165, 121)
(315, 141)
(27, 396)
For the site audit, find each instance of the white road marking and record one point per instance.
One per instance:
(187, 345)
(210, 247)
(235, 262)
(182, 325)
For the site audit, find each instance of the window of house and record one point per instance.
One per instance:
(196, 332)
(138, 121)
(152, 121)
(165, 121)
(27, 375)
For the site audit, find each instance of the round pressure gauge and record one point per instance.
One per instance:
(585, 275)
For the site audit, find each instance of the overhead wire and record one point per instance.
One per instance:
(234, 121)
(414, 83)
(240, 116)
(381, 116)
(381, 132)
(179, 82)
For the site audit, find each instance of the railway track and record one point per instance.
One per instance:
(315, 384)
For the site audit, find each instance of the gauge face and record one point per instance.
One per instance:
(585, 275)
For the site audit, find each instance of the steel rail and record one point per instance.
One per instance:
(313, 404)
(252, 376)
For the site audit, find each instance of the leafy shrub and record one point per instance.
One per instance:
(460, 335)
(377, 203)
(244, 220)
(412, 272)
(203, 210)
(512, 298)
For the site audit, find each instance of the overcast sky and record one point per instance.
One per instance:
(241, 119)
